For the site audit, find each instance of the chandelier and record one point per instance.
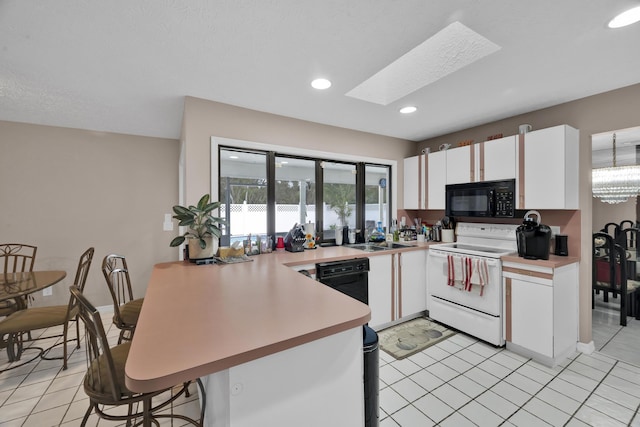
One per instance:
(615, 184)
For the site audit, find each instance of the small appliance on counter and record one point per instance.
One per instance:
(295, 239)
(562, 245)
(533, 237)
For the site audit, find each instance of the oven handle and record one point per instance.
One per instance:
(443, 255)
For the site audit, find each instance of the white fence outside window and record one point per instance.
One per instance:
(252, 218)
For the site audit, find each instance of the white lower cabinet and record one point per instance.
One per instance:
(380, 291)
(412, 283)
(541, 311)
(397, 286)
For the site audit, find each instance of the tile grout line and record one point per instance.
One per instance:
(459, 374)
(422, 369)
(583, 403)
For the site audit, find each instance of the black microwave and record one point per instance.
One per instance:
(488, 199)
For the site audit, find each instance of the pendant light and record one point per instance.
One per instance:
(615, 184)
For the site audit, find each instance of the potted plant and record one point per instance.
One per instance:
(203, 228)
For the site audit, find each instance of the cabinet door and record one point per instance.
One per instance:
(498, 159)
(531, 315)
(412, 285)
(380, 290)
(551, 168)
(436, 179)
(414, 183)
(460, 165)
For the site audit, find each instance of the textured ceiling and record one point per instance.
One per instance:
(125, 66)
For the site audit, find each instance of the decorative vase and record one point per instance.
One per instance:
(196, 252)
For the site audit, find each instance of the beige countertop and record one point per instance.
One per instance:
(553, 262)
(197, 320)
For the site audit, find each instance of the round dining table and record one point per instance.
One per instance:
(17, 285)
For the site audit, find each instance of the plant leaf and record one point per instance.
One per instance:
(186, 222)
(204, 201)
(177, 241)
(181, 210)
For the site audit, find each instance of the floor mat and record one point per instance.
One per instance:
(412, 336)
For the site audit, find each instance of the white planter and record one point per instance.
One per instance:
(196, 252)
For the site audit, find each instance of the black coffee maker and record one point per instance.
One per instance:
(533, 237)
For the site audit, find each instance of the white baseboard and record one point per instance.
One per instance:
(105, 309)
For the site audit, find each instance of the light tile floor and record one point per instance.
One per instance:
(620, 342)
(458, 382)
(41, 394)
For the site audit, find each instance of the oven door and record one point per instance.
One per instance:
(470, 200)
(490, 302)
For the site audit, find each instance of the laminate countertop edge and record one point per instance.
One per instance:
(198, 320)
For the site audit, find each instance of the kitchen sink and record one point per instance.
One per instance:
(374, 247)
(368, 247)
(395, 245)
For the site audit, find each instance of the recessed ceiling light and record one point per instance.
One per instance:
(321, 84)
(233, 157)
(408, 110)
(628, 17)
(284, 162)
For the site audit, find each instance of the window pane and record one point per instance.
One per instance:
(243, 193)
(376, 196)
(339, 193)
(295, 193)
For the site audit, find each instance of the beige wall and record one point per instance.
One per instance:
(204, 119)
(65, 190)
(613, 110)
(603, 213)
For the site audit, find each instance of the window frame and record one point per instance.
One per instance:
(220, 143)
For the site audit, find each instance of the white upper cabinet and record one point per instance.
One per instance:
(460, 165)
(497, 159)
(548, 170)
(543, 162)
(414, 182)
(436, 179)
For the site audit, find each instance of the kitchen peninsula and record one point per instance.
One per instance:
(271, 344)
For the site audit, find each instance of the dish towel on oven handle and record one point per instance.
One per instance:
(479, 275)
(459, 272)
(464, 273)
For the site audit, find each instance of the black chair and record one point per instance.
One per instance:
(609, 274)
(628, 238)
(627, 223)
(104, 381)
(615, 229)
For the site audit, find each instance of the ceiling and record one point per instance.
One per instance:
(125, 66)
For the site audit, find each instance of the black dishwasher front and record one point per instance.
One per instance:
(351, 277)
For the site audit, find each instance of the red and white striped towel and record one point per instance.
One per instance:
(459, 272)
(464, 273)
(479, 275)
